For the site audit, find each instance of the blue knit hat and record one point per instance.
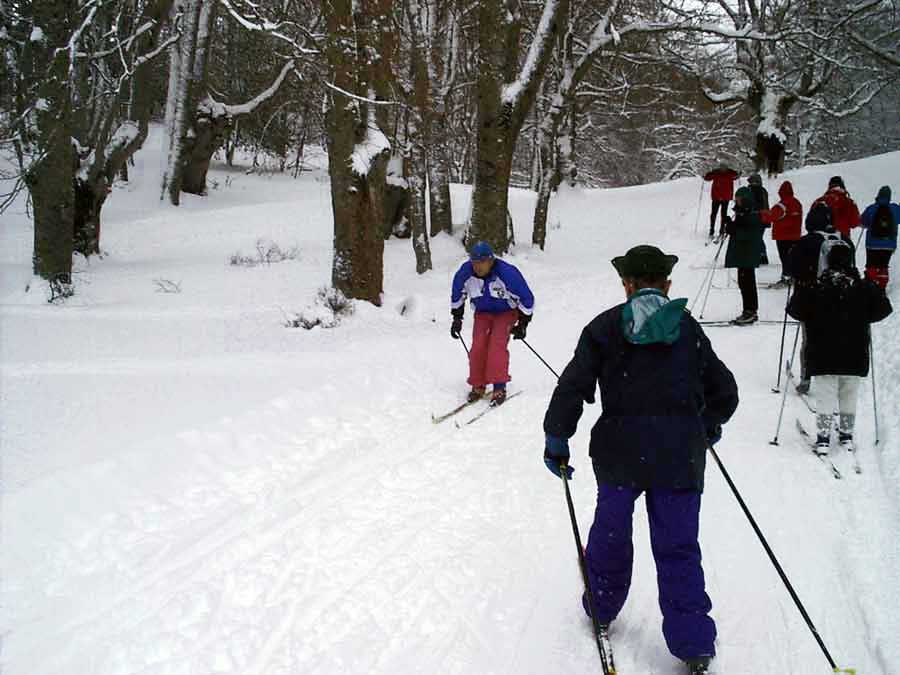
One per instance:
(481, 251)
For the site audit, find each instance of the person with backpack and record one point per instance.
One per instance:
(760, 204)
(880, 221)
(744, 243)
(807, 261)
(837, 312)
(786, 219)
(844, 212)
(665, 396)
(722, 192)
(503, 306)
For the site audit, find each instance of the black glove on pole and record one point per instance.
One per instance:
(456, 326)
(520, 328)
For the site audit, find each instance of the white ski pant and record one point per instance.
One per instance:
(835, 393)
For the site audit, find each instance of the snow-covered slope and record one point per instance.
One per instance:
(190, 487)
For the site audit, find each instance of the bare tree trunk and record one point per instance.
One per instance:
(50, 182)
(505, 97)
(50, 177)
(358, 150)
(113, 149)
(418, 135)
(443, 46)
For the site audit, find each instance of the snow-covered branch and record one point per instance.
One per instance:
(537, 55)
(262, 97)
(268, 27)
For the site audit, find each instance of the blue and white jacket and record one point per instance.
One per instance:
(500, 291)
(889, 243)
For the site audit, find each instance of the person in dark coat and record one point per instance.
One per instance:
(665, 395)
(760, 204)
(837, 312)
(806, 262)
(722, 192)
(880, 220)
(744, 242)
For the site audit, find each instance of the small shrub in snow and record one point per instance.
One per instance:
(60, 290)
(267, 252)
(329, 307)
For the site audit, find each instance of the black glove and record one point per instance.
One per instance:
(456, 326)
(729, 225)
(518, 331)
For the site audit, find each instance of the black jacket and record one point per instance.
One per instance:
(659, 403)
(803, 263)
(760, 197)
(837, 312)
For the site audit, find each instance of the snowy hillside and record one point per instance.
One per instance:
(189, 487)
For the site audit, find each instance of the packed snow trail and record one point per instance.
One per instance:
(189, 487)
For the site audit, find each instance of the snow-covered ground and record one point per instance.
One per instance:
(189, 487)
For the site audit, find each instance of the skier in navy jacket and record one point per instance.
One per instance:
(665, 395)
(503, 305)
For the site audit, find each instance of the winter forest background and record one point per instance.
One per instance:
(408, 96)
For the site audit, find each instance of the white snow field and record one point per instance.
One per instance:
(189, 487)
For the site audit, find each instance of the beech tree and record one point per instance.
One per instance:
(78, 69)
(358, 49)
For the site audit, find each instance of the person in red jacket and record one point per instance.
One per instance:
(844, 212)
(786, 219)
(722, 192)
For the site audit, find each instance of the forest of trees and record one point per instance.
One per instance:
(407, 96)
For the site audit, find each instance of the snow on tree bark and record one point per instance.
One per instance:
(505, 97)
(357, 51)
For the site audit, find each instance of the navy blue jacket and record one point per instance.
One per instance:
(660, 402)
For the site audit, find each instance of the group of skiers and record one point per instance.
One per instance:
(665, 394)
(834, 211)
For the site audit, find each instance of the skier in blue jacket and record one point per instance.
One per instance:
(503, 305)
(665, 395)
(880, 220)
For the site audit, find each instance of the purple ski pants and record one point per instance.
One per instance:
(674, 517)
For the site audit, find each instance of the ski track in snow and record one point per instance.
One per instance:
(258, 501)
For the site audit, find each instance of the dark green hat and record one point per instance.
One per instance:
(644, 262)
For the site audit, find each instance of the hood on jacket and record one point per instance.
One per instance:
(743, 199)
(884, 195)
(786, 190)
(649, 317)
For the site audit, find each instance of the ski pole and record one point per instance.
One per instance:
(539, 356)
(464, 344)
(775, 562)
(774, 441)
(781, 349)
(699, 205)
(709, 274)
(712, 276)
(874, 397)
(608, 669)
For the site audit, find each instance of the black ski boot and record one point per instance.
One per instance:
(476, 394)
(746, 318)
(498, 396)
(698, 666)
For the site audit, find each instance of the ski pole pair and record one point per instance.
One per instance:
(783, 331)
(524, 342)
(708, 279)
